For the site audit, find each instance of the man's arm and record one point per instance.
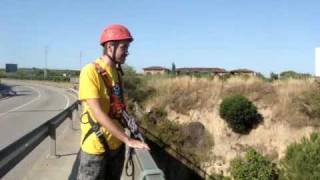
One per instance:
(105, 121)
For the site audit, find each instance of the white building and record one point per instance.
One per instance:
(317, 64)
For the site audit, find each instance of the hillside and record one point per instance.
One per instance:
(290, 110)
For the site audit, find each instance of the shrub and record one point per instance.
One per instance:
(253, 166)
(135, 88)
(274, 76)
(302, 160)
(240, 114)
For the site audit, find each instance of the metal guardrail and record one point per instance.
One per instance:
(11, 155)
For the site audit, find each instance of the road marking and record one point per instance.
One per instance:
(23, 105)
(74, 96)
(68, 101)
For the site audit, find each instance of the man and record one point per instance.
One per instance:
(101, 94)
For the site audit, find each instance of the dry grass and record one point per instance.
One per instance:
(254, 88)
(190, 99)
(183, 94)
(287, 109)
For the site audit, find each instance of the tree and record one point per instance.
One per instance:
(302, 160)
(274, 76)
(173, 69)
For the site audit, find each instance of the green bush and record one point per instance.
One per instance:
(135, 86)
(240, 114)
(274, 76)
(302, 160)
(253, 166)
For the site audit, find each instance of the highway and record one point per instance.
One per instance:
(32, 105)
(28, 106)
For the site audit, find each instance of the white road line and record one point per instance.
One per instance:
(57, 90)
(74, 96)
(23, 105)
(68, 101)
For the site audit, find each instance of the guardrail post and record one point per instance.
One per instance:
(78, 107)
(52, 134)
(71, 117)
(75, 115)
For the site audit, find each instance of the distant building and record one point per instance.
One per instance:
(155, 70)
(195, 70)
(242, 72)
(317, 63)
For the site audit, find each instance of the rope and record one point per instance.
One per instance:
(130, 162)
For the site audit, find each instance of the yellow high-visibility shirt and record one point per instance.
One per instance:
(91, 86)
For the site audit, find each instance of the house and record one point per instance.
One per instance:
(197, 70)
(243, 72)
(155, 70)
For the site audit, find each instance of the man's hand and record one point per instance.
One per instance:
(137, 144)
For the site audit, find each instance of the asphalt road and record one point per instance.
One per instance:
(28, 107)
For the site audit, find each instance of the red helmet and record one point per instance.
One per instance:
(115, 32)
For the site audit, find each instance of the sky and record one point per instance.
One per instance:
(265, 36)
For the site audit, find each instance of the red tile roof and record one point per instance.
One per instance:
(199, 69)
(242, 71)
(159, 68)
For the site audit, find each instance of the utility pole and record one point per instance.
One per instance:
(80, 60)
(45, 73)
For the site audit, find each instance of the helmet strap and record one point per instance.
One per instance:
(112, 58)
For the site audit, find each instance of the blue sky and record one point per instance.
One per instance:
(265, 35)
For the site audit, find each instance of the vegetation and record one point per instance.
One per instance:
(253, 166)
(240, 114)
(190, 139)
(274, 76)
(215, 176)
(135, 87)
(38, 74)
(283, 102)
(302, 160)
(309, 104)
(173, 69)
(294, 75)
(1, 73)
